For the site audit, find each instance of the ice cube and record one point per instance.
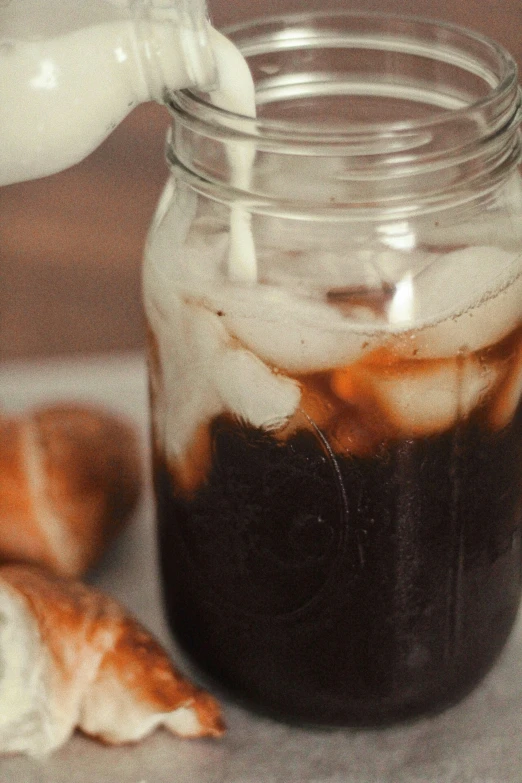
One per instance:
(293, 334)
(315, 272)
(455, 282)
(426, 397)
(464, 301)
(252, 392)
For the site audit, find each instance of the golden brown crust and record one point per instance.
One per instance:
(154, 678)
(209, 714)
(20, 533)
(67, 612)
(70, 478)
(92, 465)
(78, 624)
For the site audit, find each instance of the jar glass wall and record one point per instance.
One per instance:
(336, 369)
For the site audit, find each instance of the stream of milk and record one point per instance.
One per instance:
(67, 83)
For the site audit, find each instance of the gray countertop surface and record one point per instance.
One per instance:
(479, 741)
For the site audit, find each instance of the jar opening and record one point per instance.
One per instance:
(345, 76)
(374, 110)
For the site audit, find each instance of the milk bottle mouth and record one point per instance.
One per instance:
(396, 98)
(191, 18)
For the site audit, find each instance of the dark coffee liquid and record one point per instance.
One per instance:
(332, 589)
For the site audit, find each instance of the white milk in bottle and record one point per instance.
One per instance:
(71, 71)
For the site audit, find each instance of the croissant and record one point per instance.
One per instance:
(70, 657)
(70, 476)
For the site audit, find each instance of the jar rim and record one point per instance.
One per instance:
(501, 106)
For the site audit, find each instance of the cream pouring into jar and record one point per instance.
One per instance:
(70, 73)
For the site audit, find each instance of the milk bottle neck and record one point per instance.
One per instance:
(173, 47)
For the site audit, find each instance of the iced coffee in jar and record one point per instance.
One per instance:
(333, 293)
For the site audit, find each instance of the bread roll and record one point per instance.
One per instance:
(70, 476)
(71, 658)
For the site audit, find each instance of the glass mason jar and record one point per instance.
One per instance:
(336, 369)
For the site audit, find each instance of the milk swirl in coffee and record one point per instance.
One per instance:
(335, 479)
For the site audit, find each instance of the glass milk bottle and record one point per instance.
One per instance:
(334, 302)
(71, 71)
